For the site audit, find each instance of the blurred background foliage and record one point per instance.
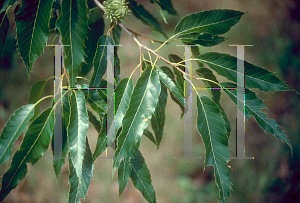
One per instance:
(272, 26)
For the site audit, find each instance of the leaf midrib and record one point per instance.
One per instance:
(33, 30)
(230, 70)
(17, 131)
(149, 78)
(29, 150)
(142, 181)
(210, 138)
(101, 58)
(78, 131)
(3, 18)
(254, 112)
(173, 81)
(179, 33)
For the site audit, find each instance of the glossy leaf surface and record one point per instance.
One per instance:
(167, 78)
(141, 177)
(79, 183)
(255, 77)
(13, 129)
(58, 163)
(204, 39)
(211, 126)
(32, 23)
(122, 98)
(214, 90)
(141, 13)
(36, 141)
(77, 129)
(179, 76)
(95, 30)
(141, 108)
(73, 25)
(159, 117)
(97, 103)
(101, 140)
(166, 5)
(100, 60)
(253, 106)
(213, 22)
(35, 95)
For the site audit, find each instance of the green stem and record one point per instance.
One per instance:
(165, 43)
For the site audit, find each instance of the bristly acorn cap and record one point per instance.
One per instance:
(116, 10)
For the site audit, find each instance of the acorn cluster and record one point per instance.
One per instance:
(116, 10)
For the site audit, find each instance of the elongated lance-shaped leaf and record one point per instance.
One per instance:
(124, 170)
(95, 121)
(36, 91)
(4, 25)
(141, 108)
(4, 5)
(165, 5)
(35, 95)
(208, 74)
(196, 52)
(97, 103)
(36, 141)
(141, 177)
(116, 33)
(179, 76)
(73, 24)
(102, 139)
(79, 183)
(213, 22)
(58, 163)
(32, 23)
(117, 70)
(203, 39)
(13, 129)
(215, 93)
(53, 19)
(95, 30)
(167, 78)
(211, 126)
(94, 14)
(122, 98)
(159, 116)
(180, 80)
(141, 13)
(255, 77)
(103, 93)
(253, 106)
(100, 60)
(149, 135)
(77, 129)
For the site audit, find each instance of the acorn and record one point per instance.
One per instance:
(116, 10)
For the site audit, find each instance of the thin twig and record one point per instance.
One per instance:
(145, 47)
(152, 40)
(112, 27)
(168, 62)
(141, 61)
